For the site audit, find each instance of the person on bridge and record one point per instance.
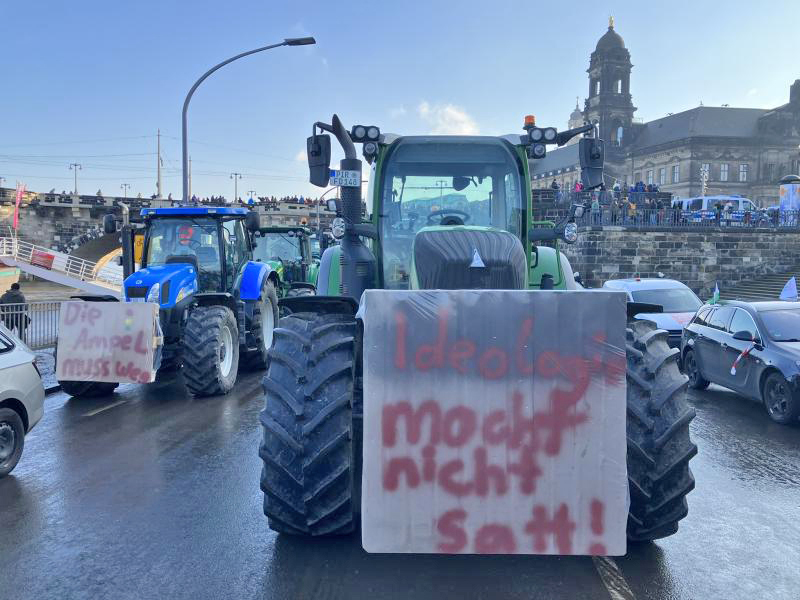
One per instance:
(14, 311)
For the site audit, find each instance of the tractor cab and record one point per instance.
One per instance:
(287, 250)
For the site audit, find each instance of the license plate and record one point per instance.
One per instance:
(345, 178)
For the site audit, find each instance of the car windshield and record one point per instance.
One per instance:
(277, 246)
(170, 238)
(429, 182)
(782, 325)
(673, 300)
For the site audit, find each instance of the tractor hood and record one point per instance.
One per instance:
(175, 282)
(454, 257)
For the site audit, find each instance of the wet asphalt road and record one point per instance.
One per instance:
(151, 494)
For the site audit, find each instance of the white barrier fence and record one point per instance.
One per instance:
(36, 323)
(77, 268)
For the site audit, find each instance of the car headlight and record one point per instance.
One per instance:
(570, 233)
(153, 294)
(337, 228)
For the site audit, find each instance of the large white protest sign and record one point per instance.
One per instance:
(106, 341)
(494, 422)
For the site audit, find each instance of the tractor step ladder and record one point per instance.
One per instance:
(61, 268)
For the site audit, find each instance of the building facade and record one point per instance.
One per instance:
(745, 151)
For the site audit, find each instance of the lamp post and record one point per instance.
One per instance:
(236, 177)
(75, 167)
(124, 187)
(304, 41)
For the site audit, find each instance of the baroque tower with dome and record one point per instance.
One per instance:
(746, 151)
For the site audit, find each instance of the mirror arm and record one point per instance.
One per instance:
(565, 136)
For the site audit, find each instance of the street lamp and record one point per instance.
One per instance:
(236, 177)
(125, 187)
(75, 167)
(304, 41)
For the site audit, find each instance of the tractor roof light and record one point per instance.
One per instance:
(373, 133)
(365, 133)
(530, 121)
(536, 134)
(550, 134)
(538, 151)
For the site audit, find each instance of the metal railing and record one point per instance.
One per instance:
(79, 268)
(36, 323)
(669, 218)
(567, 197)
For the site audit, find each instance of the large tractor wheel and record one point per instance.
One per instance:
(210, 351)
(265, 316)
(659, 447)
(307, 475)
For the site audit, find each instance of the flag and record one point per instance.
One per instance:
(20, 192)
(790, 290)
(715, 297)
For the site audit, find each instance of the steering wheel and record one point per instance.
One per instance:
(452, 220)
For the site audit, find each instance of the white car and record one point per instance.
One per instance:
(21, 398)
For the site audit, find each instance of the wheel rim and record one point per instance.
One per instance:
(267, 323)
(777, 398)
(226, 351)
(691, 368)
(8, 441)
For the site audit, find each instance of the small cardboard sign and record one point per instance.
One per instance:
(106, 341)
(494, 422)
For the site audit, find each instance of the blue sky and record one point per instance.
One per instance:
(90, 81)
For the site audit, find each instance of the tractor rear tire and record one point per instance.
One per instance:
(261, 337)
(659, 445)
(210, 351)
(307, 450)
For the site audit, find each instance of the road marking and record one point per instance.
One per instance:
(612, 578)
(97, 411)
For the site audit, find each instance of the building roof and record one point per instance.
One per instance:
(560, 158)
(703, 121)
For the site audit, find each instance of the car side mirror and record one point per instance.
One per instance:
(592, 156)
(318, 150)
(109, 224)
(745, 336)
(252, 221)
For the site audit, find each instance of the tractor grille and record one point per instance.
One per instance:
(443, 260)
(136, 291)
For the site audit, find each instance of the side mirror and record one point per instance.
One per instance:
(592, 157)
(744, 336)
(109, 224)
(252, 221)
(332, 205)
(318, 150)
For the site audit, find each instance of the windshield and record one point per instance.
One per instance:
(782, 325)
(277, 246)
(169, 239)
(673, 300)
(429, 182)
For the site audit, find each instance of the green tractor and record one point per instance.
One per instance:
(287, 251)
(435, 206)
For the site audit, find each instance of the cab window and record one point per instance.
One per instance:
(720, 318)
(742, 321)
(236, 247)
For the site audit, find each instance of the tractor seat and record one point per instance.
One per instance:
(207, 258)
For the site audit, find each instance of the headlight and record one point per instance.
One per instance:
(186, 290)
(539, 150)
(570, 233)
(373, 133)
(337, 228)
(360, 131)
(536, 135)
(153, 294)
(549, 134)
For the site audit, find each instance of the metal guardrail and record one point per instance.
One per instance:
(36, 323)
(567, 197)
(669, 218)
(72, 266)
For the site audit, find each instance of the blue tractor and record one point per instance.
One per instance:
(217, 307)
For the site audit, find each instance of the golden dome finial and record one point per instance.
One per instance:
(611, 22)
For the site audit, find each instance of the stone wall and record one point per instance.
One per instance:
(59, 228)
(699, 259)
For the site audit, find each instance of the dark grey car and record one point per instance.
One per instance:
(750, 347)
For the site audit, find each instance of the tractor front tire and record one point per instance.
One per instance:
(659, 446)
(210, 351)
(262, 326)
(307, 450)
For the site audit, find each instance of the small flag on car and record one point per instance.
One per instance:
(790, 290)
(715, 297)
